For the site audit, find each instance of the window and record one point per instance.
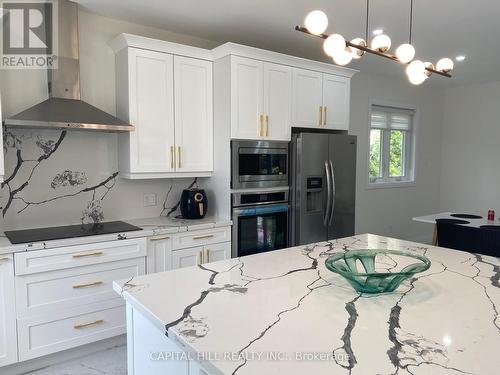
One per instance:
(391, 144)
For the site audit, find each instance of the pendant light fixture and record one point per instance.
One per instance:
(342, 52)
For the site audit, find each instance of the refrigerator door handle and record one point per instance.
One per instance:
(329, 191)
(332, 203)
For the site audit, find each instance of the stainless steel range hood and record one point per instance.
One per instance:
(64, 109)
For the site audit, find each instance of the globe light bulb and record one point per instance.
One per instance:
(381, 43)
(416, 72)
(417, 79)
(316, 22)
(444, 65)
(343, 57)
(333, 44)
(357, 53)
(429, 65)
(415, 67)
(405, 53)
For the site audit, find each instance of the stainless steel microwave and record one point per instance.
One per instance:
(259, 164)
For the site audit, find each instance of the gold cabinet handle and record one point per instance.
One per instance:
(207, 256)
(320, 115)
(172, 161)
(85, 325)
(203, 237)
(179, 155)
(200, 257)
(324, 117)
(80, 286)
(159, 238)
(261, 129)
(4, 259)
(95, 254)
(267, 125)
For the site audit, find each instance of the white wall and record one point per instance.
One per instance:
(388, 211)
(470, 178)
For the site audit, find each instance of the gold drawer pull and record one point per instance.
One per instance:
(4, 259)
(79, 286)
(172, 157)
(96, 254)
(85, 325)
(203, 237)
(159, 238)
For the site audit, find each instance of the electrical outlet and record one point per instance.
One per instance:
(149, 199)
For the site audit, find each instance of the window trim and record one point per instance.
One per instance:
(411, 162)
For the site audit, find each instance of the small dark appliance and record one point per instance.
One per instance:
(194, 203)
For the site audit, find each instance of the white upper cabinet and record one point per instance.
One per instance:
(307, 98)
(277, 101)
(151, 111)
(260, 100)
(193, 114)
(335, 102)
(320, 100)
(168, 97)
(8, 347)
(246, 98)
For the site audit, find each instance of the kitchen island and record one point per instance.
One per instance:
(283, 312)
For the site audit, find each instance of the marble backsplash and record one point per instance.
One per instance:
(55, 177)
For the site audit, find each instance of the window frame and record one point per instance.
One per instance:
(409, 156)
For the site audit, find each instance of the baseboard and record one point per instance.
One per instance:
(40, 363)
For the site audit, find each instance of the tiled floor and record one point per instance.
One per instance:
(108, 362)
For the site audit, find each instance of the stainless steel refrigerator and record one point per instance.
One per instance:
(323, 186)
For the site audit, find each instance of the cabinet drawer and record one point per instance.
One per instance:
(50, 292)
(201, 237)
(38, 337)
(80, 255)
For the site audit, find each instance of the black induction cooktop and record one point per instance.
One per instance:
(68, 231)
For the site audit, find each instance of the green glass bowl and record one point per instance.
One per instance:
(371, 281)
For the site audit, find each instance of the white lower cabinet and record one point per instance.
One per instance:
(8, 348)
(65, 298)
(188, 249)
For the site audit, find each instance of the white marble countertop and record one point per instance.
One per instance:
(150, 227)
(443, 321)
(431, 219)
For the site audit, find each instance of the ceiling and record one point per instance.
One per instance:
(444, 28)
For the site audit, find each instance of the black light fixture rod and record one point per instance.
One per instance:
(367, 18)
(411, 20)
(369, 50)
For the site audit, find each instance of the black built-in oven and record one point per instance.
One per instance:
(260, 222)
(259, 164)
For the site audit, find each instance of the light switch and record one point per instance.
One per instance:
(149, 199)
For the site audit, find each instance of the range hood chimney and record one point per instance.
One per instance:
(64, 109)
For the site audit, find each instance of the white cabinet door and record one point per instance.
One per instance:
(8, 336)
(307, 98)
(277, 102)
(247, 81)
(216, 252)
(187, 257)
(193, 114)
(336, 102)
(159, 257)
(151, 88)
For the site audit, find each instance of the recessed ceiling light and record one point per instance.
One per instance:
(460, 58)
(378, 31)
